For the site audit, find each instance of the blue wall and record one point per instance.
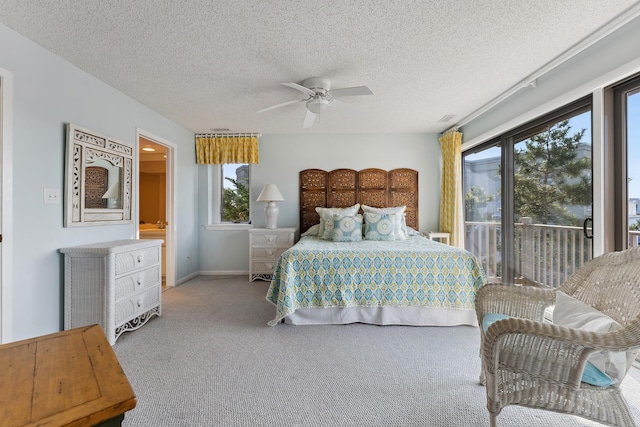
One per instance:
(48, 92)
(282, 157)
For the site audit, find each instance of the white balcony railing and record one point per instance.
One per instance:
(544, 255)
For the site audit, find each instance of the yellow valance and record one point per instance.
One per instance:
(220, 149)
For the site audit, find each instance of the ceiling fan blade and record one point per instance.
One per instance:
(279, 105)
(343, 106)
(309, 120)
(302, 89)
(351, 91)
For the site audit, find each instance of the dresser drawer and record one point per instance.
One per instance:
(268, 253)
(269, 239)
(136, 304)
(116, 284)
(136, 282)
(137, 259)
(263, 266)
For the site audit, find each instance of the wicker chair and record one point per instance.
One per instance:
(537, 364)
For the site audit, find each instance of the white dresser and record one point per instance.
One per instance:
(265, 247)
(114, 284)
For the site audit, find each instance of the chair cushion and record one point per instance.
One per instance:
(490, 318)
(573, 313)
(591, 374)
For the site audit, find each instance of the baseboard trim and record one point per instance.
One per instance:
(224, 273)
(184, 279)
(212, 273)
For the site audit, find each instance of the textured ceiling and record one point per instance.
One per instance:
(212, 64)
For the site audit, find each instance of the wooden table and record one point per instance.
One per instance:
(70, 378)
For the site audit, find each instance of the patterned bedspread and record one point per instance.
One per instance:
(401, 273)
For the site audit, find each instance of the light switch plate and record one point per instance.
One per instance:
(52, 196)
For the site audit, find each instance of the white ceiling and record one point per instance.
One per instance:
(212, 64)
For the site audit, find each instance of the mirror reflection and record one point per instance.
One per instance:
(99, 174)
(102, 185)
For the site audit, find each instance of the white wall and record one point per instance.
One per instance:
(282, 157)
(606, 62)
(49, 92)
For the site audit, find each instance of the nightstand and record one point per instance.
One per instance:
(265, 247)
(443, 237)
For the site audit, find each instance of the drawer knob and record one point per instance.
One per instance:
(270, 239)
(270, 266)
(139, 281)
(139, 303)
(271, 252)
(139, 258)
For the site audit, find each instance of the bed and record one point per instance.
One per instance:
(407, 280)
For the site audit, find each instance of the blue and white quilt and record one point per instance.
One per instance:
(416, 272)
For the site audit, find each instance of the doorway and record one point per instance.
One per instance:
(155, 213)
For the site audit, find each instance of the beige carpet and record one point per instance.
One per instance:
(211, 360)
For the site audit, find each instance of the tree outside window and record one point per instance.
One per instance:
(235, 193)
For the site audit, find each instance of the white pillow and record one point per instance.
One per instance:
(311, 231)
(575, 314)
(412, 232)
(326, 219)
(400, 224)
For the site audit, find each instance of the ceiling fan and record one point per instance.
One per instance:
(319, 97)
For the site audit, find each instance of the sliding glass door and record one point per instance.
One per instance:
(552, 200)
(528, 199)
(482, 203)
(627, 163)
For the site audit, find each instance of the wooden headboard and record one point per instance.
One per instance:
(341, 188)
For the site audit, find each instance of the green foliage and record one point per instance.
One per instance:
(475, 201)
(635, 227)
(235, 202)
(550, 176)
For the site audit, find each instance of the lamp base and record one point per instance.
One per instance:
(271, 211)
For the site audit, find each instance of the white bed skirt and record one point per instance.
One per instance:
(410, 316)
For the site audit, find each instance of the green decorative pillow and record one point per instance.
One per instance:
(326, 219)
(347, 228)
(400, 224)
(379, 226)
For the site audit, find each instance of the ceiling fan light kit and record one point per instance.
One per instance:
(319, 97)
(318, 105)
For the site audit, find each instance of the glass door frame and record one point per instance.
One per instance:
(507, 142)
(620, 160)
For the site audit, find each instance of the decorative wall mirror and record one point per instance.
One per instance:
(98, 181)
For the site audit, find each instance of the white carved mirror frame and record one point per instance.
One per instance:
(98, 180)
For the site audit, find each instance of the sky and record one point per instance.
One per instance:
(633, 145)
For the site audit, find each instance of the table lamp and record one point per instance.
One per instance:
(271, 194)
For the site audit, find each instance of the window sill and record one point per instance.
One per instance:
(228, 226)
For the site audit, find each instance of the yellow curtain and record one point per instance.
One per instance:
(451, 216)
(220, 149)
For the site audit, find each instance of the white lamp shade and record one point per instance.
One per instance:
(113, 192)
(270, 193)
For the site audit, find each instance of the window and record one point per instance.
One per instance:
(234, 191)
(528, 199)
(626, 114)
